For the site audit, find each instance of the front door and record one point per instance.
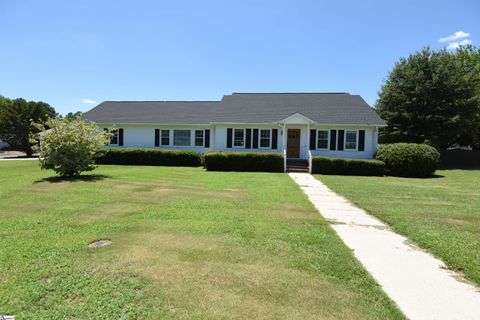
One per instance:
(293, 143)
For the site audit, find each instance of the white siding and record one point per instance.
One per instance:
(371, 136)
(144, 137)
(138, 136)
(221, 137)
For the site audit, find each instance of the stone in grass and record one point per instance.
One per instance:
(100, 243)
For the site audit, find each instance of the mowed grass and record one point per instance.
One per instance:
(186, 244)
(440, 214)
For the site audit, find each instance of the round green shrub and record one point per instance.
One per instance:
(409, 159)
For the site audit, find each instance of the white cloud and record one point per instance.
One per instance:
(88, 101)
(457, 35)
(457, 44)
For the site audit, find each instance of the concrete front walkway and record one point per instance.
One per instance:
(418, 282)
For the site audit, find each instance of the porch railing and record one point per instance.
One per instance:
(309, 161)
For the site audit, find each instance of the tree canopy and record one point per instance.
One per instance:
(4, 102)
(73, 115)
(433, 97)
(71, 146)
(17, 117)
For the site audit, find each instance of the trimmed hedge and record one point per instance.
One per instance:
(352, 167)
(149, 157)
(243, 161)
(409, 159)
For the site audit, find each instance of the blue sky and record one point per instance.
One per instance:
(72, 54)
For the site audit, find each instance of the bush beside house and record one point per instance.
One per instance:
(399, 159)
(69, 147)
(353, 167)
(149, 157)
(409, 159)
(243, 161)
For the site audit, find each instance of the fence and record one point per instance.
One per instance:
(458, 158)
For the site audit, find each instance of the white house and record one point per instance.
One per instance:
(298, 125)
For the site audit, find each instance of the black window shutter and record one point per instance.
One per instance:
(333, 139)
(274, 138)
(248, 138)
(341, 134)
(207, 138)
(255, 138)
(157, 137)
(229, 137)
(361, 140)
(120, 137)
(313, 139)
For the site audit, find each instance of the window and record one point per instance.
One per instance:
(165, 138)
(322, 141)
(265, 138)
(199, 138)
(239, 138)
(181, 137)
(114, 137)
(351, 140)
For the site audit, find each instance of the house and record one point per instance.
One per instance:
(298, 125)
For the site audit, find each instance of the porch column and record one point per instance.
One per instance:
(308, 136)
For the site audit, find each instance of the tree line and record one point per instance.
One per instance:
(19, 120)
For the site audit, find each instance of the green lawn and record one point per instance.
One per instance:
(440, 214)
(186, 244)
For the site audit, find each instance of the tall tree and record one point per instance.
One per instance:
(469, 56)
(16, 122)
(431, 96)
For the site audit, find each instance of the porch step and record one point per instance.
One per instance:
(304, 170)
(297, 166)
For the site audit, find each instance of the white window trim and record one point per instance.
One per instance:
(173, 138)
(244, 138)
(345, 140)
(328, 139)
(260, 139)
(195, 137)
(169, 138)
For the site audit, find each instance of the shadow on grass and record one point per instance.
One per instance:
(466, 168)
(83, 178)
(434, 176)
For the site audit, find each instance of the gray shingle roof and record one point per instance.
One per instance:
(324, 108)
(153, 112)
